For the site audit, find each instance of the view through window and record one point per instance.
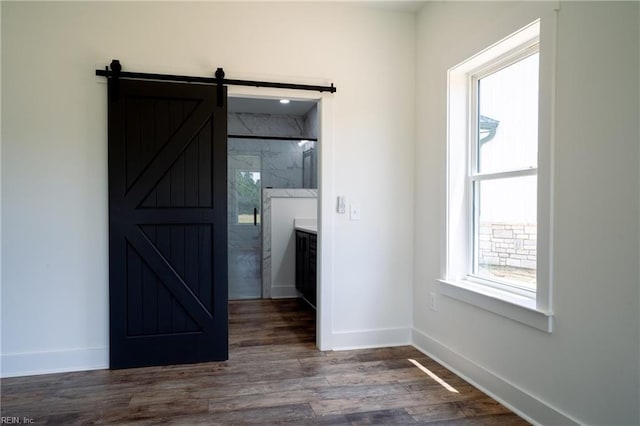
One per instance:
(248, 196)
(503, 175)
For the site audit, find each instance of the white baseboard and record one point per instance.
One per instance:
(371, 338)
(518, 400)
(284, 292)
(32, 363)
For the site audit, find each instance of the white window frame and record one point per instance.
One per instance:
(531, 308)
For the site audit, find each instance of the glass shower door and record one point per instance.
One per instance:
(245, 242)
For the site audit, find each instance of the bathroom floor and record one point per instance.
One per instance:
(244, 274)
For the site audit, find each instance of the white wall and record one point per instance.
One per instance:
(54, 153)
(587, 370)
(283, 241)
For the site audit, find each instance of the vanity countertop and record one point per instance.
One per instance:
(311, 229)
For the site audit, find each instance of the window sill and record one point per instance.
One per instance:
(506, 304)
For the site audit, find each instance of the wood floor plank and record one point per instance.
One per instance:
(384, 417)
(253, 401)
(295, 413)
(496, 420)
(391, 401)
(437, 412)
(274, 375)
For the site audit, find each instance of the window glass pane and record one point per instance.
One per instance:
(505, 230)
(508, 118)
(248, 195)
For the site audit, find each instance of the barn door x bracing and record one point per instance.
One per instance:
(167, 223)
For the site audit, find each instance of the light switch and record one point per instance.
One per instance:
(341, 206)
(355, 212)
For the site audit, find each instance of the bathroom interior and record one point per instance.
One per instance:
(272, 192)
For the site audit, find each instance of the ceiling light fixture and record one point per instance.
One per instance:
(284, 101)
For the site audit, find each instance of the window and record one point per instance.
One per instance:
(498, 180)
(248, 189)
(245, 188)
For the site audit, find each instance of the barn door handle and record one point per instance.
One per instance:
(255, 216)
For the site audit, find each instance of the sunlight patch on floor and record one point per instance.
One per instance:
(428, 372)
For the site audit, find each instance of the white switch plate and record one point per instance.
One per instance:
(432, 301)
(355, 212)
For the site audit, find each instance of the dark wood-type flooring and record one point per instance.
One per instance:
(275, 375)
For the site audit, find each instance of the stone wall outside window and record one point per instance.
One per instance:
(508, 244)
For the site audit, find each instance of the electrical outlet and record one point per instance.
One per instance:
(432, 301)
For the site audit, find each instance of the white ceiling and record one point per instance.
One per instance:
(269, 106)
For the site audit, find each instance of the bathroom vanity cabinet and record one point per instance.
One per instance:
(306, 257)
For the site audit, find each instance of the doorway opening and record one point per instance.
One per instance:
(272, 150)
(272, 182)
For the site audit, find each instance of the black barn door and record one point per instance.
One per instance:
(167, 224)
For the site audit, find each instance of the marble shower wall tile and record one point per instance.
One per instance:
(281, 161)
(242, 123)
(311, 123)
